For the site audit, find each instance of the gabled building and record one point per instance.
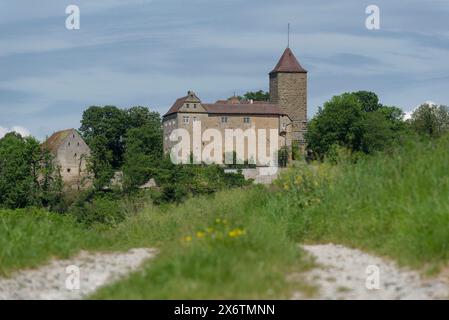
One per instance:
(70, 153)
(286, 111)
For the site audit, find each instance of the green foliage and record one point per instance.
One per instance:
(283, 155)
(30, 237)
(257, 95)
(369, 100)
(142, 155)
(233, 246)
(431, 120)
(177, 182)
(27, 174)
(394, 205)
(100, 162)
(296, 150)
(98, 208)
(106, 129)
(355, 121)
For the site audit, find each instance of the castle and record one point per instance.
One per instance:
(286, 111)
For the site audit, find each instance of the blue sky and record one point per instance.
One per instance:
(150, 52)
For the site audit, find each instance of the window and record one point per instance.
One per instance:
(78, 144)
(75, 155)
(195, 119)
(246, 120)
(194, 106)
(68, 170)
(224, 119)
(185, 119)
(187, 105)
(69, 144)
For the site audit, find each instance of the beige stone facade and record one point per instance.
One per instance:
(286, 112)
(185, 120)
(70, 153)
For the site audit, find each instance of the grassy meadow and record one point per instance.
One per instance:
(242, 243)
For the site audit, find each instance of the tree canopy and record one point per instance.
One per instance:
(356, 121)
(28, 176)
(111, 132)
(431, 120)
(256, 96)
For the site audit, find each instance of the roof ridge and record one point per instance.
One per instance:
(288, 63)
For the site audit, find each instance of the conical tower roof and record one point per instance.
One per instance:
(288, 64)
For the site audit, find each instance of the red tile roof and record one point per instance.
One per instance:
(176, 106)
(232, 107)
(254, 108)
(288, 63)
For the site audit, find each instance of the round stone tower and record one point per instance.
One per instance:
(288, 89)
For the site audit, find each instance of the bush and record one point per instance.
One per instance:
(97, 207)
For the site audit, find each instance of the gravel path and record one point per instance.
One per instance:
(57, 280)
(351, 274)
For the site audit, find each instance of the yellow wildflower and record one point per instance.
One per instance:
(236, 233)
(232, 234)
(188, 238)
(200, 234)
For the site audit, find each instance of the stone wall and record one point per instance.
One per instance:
(71, 157)
(212, 121)
(289, 91)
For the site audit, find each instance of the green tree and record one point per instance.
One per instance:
(137, 117)
(28, 176)
(109, 123)
(369, 100)
(431, 120)
(143, 153)
(257, 95)
(99, 164)
(50, 180)
(338, 122)
(105, 130)
(355, 121)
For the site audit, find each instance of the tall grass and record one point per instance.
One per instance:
(233, 245)
(29, 237)
(395, 205)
